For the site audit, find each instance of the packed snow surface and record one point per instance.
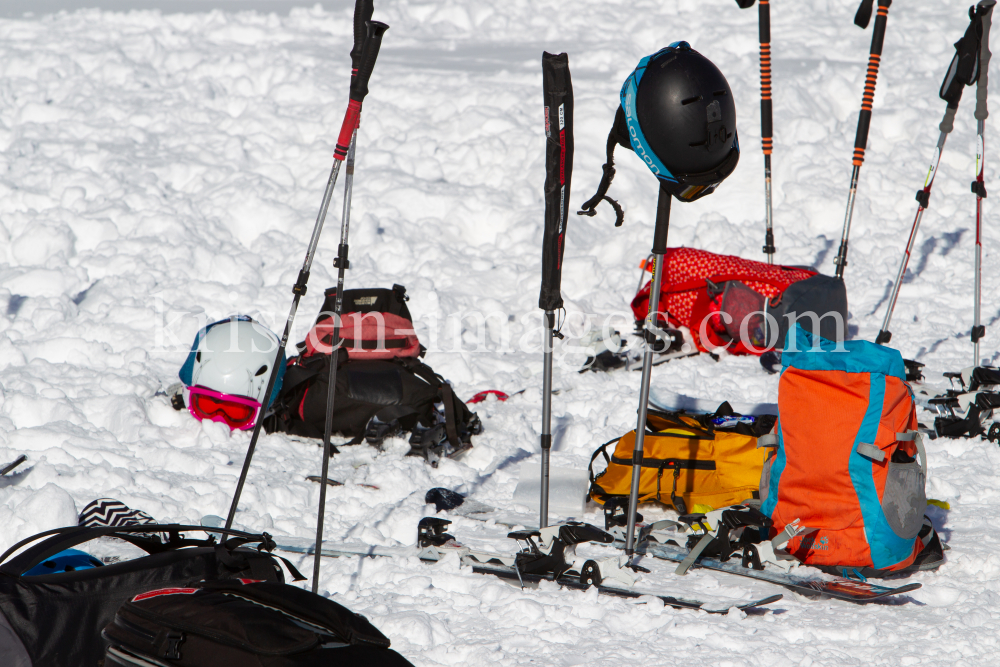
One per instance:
(158, 172)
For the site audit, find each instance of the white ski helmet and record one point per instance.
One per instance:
(234, 356)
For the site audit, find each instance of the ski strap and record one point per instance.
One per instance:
(690, 559)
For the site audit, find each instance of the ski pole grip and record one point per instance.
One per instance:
(982, 112)
(359, 87)
(745, 4)
(948, 122)
(363, 10)
(874, 58)
(766, 115)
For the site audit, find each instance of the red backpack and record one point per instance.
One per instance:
(699, 286)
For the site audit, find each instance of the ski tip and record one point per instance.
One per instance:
(742, 606)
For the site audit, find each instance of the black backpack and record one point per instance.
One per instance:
(245, 623)
(55, 620)
(375, 399)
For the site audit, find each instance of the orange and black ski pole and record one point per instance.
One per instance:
(865, 117)
(766, 116)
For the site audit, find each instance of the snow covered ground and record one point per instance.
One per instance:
(161, 170)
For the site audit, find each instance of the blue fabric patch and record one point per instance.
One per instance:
(635, 135)
(886, 547)
(777, 467)
(815, 353)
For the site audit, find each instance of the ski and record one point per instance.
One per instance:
(433, 544)
(446, 500)
(511, 573)
(333, 482)
(11, 466)
(838, 588)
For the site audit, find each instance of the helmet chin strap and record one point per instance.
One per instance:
(618, 135)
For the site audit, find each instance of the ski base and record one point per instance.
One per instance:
(838, 589)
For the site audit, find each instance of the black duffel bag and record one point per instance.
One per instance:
(245, 623)
(375, 399)
(55, 620)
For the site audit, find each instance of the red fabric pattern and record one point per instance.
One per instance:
(685, 271)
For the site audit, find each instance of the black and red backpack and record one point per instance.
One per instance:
(383, 388)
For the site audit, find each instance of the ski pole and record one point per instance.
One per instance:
(962, 71)
(650, 334)
(299, 289)
(864, 119)
(557, 94)
(766, 121)
(359, 89)
(978, 186)
(766, 116)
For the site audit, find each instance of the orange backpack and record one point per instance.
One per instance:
(844, 457)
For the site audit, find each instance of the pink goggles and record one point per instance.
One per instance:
(238, 412)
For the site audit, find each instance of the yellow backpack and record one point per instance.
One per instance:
(686, 462)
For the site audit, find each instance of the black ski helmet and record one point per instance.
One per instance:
(678, 114)
(681, 120)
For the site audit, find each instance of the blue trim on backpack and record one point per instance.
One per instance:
(887, 548)
(815, 353)
(635, 136)
(777, 467)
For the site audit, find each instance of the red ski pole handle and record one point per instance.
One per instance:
(874, 58)
(359, 87)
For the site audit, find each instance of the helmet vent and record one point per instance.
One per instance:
(692, 100)
(720, 93)
(260, 371)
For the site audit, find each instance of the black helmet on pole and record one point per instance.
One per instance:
(678, 114)
(681, 120)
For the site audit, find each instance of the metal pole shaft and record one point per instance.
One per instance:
(884, 335)
(546, 439)
(298, 291)
(977, 329)
(342, 265)
(651, 325)
(841, 259)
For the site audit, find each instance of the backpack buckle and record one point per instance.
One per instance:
(172, 651)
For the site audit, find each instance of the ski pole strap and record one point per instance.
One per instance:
(864, 14)
(766, 119)
(985, 10)
(618, 133)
